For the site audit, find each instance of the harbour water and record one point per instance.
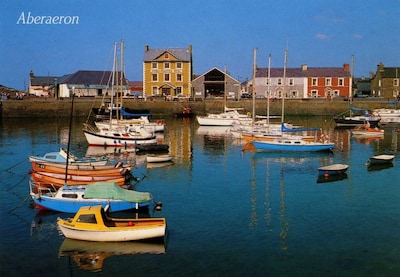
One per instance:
(229, 212)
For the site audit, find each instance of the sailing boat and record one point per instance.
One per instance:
(125, 135)
(290, 143)
(125, 117)
(263, 129)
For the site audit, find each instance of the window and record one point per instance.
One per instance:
(328, 81)
(154, 77)
(87, 218)
(314, 82)
(154, 65)
(395, 82)
(293, 94)
(166, 65)
(336, 92)
(291, 82)
(166, 77)
(179, 77)
(341, 82)
(314, 93)
(178, 90)
(166, 56)
(178, 65)
(279, 81)
(154, 90)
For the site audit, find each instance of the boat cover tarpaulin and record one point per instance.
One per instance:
(107, 190)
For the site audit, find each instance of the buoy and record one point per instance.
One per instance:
(158, 206)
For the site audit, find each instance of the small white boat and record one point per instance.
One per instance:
(381, 159)
(158, 158)
(334, 169)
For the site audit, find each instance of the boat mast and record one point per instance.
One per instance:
(225, 88)
(268, 89)
(122, 73)
(284, 83)
(253, 83)
(69, 135)
(113, 82)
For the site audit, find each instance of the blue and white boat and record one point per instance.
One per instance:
(293, 144)
(60, 157)
(69, 199)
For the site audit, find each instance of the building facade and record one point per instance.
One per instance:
(215, 83)
(386, 82)
(93, 83)
(42, 86)
(303, 82)
(167, 72)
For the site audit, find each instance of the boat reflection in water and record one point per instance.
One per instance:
(376, 167)
(90, 255)
(331, 178)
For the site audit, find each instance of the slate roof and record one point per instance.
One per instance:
(390, 72)
(181, 54)
(299, 72)
(278, 72)
(90, 77)
(327, 72)
(44, 80)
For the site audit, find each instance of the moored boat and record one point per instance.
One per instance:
(60, 157)
(292, 144)
(91, 223)
(69, 199)
(334, 169)
(118, 138)
(158, 158)
(381, 159)
(366, 130)
(83, 170)
(58, 180)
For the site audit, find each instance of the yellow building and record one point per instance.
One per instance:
(167, 72)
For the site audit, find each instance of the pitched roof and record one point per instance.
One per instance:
(90, 77)
(216, 69)
(278, 72)
(390, 72)
(327, 72)
(299, 72)
(180, 54)
(44, 80)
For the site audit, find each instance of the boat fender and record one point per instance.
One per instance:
(130, 223)
(159, 122)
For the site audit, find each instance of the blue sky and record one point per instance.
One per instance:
(223, 33)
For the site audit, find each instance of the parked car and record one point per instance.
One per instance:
(246, 95)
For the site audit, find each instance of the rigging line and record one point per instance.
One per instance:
(24, 160)
(17, 184)
(20, 204)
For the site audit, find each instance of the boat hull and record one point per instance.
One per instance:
(95, 139)
(381, 159)
(111, 235)
(292, 147)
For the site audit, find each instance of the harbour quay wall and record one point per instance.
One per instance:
(49, 107)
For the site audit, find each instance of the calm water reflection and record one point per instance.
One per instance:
(229, 212)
